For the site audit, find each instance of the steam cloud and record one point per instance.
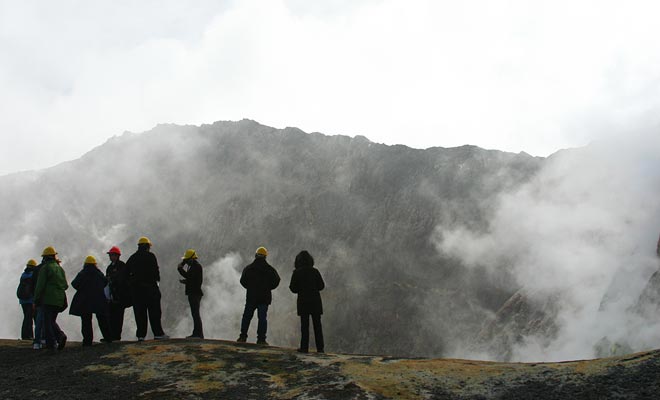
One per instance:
(581, 235)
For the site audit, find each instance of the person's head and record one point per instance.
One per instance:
(261, 253)
(144, 243)
(114, 253)
(189, 256)
(31, 263)
(49, 253)
(90, 261)
(304, 260)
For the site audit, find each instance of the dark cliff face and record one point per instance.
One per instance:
(366, 212)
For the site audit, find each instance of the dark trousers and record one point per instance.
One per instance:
(87, 330)
(116, 320)
(51, 329)
(262, 315)
(28, 318)
(318, 332)
(195, 300)
(147, 306)
(38, 325)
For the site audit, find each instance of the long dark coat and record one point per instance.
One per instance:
(89, 297)
(307, 282)
(259, 278)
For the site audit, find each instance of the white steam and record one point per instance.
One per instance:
(583, 229)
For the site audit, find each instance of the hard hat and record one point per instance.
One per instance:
(144, 240)
(190, 253)
(262, 251)
(31, 263)
(114, 250)
(48, 251)
(90, 260)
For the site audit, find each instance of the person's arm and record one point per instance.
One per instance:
(320, 285)
(182, 271)
(275, 279)
(293, 286)
(41, 285)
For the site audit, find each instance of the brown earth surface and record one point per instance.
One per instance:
(206, 369)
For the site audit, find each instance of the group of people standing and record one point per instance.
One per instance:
(42, 295)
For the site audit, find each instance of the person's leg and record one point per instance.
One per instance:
(262, 326)
(86, 329)
(140, 312)
(195, 301)
(304, 333)
(116, 320)
(248, 313)
(26, 327)
(318, 333)
(104, 325)
(59, 333)
(49, 331)
(155, 314)
(38, 327)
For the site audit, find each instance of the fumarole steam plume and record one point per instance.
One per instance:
(580, 240)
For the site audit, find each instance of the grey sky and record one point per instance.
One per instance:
(532, 76)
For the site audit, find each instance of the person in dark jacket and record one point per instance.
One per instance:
(307, 282)
(192, 278)
(259, 278)
(50, 294)
(143, 276)
(118, 291)
(90, 299)
(25, 294)
(39, 337)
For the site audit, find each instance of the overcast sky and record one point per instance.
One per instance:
(533, 76)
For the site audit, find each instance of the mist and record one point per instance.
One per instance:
(578, 239)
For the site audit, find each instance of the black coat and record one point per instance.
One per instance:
(89, 297)
(307, 283)
(117, 274)
(143, 270)
(193, 278)
(259, 278)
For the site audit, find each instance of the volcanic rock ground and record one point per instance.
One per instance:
(186, 369)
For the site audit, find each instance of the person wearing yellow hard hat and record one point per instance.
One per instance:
(259, 278)
(118, 291)
(144, 275)
(25, 294)
(50, 295)
(191, 270)
(90, 299)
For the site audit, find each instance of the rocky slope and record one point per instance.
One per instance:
(176, 369)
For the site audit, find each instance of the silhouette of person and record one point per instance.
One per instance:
(193, 279)
(307, 282)
(144, 276)
(259, 278)
(90, 299)
(119, 292)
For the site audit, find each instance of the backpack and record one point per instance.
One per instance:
(24, 290)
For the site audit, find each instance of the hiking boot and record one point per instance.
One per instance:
(104, 340)
(302, 351)
(242, 339)
(161, 337)
(262, 342)
(140, 339)
(194, 337)
(62, 342)
(36, 346)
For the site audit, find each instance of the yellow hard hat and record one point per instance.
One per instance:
(262, 251)
(90, 260)
(31, 263)
(48, 251)
(190, 253)
(144, 240)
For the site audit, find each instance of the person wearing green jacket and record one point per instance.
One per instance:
(50, 293)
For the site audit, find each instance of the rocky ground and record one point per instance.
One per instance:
(184, 369)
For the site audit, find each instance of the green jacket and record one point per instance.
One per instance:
(51, 285)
